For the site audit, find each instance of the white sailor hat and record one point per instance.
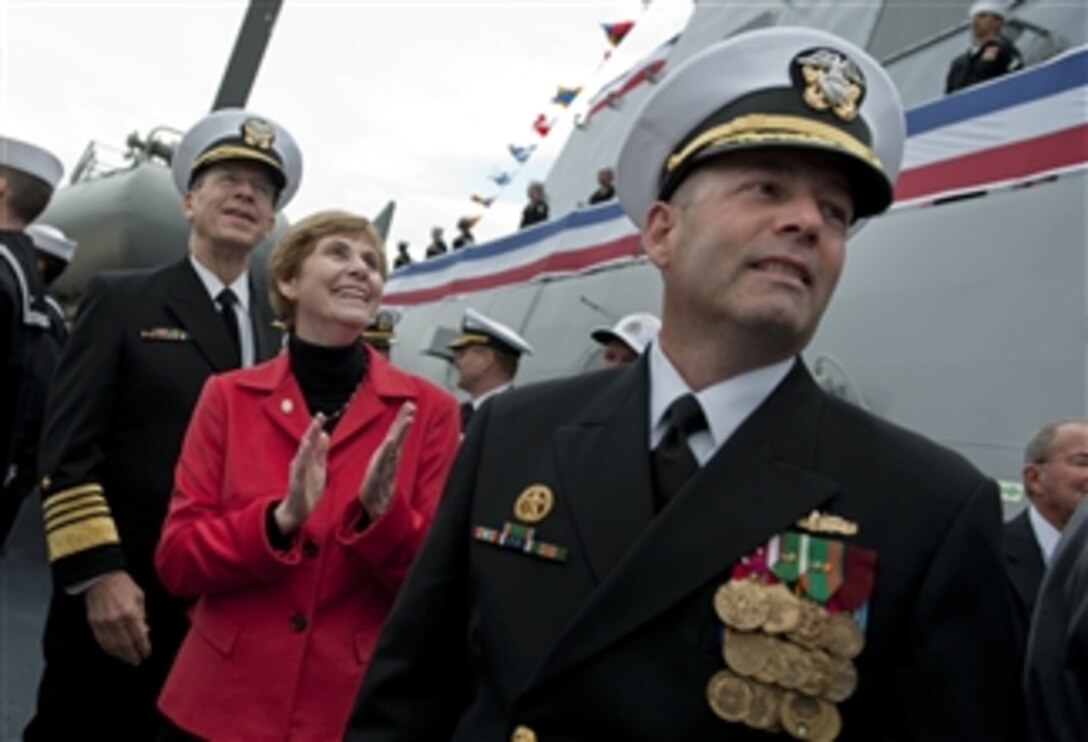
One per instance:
(236, 134)
(51, 240)
(636, 331)
(382, 328)
(988, 6)
(476, 329)
(31, 159)
(778, 87)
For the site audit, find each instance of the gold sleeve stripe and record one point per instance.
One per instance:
(74, 516)
(61, 509)
(81, 535)
(70, 494)
(77, 519)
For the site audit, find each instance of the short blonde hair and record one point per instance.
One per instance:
(299, 242)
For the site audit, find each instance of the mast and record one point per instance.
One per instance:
(249, 48)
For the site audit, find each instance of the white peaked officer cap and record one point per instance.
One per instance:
(476, 329)
(49, 239)
(779, 87)
(31, 159)
(636, 331)
(988, 6)
(236, 134)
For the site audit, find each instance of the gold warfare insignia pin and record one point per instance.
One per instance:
(258, 134)
(534, 503)
(830, 81)
(818, 522)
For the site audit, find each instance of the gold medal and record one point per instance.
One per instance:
(783, 609)
(813, 623)
(809, 718)
(774, 663)
(795, 666)
(729, 696)
(818, 677)
(843, 682)
(763, 711)
(741, 604)
(745, 653)
(842, 636)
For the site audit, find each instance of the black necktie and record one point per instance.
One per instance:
(226, 301)
(466, 415)
(673, 461)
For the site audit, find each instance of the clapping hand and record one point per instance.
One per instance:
(306, 478)
(380, 480)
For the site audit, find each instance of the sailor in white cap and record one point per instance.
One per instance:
(486, 356)
(666, 551)
(990, 55)
(627, 339)
(53, 252)
(28, 176)
(142, 345)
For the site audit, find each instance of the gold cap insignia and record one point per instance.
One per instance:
(534, 503)
(818, 522)
(831, 81)
(258, 134)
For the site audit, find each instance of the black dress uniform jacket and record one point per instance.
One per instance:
(619, 641)
(142, 345)
(1024, 562)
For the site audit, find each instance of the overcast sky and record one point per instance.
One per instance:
(403, 100)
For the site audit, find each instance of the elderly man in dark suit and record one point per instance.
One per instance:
(1054, 486)
(703, 545)
(141, 347)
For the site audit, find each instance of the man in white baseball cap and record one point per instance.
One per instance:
(142, 345)
(28, 177)
(990, 55)
(627, 339)
(705, 545)
(486, 356)
(53, 251)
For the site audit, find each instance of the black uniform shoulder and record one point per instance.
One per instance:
(935, 473)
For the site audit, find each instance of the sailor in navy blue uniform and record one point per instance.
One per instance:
(28, 176)
(991, 55)
(53, 252)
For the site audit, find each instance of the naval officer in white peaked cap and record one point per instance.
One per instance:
(141, 347)
(486, 356)
(703, 544)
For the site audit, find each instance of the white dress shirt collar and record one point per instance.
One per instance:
(726, 404)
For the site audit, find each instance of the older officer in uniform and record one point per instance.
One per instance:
(704, 545)
(53, 252)
(28, 175)
(381, 333)
(142, 345)
(628, 339)
(486, 356)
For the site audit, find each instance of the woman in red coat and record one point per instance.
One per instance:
(303, 491)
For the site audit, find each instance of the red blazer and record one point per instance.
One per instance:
(279, 640)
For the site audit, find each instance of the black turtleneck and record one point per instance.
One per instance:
(327, 376)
